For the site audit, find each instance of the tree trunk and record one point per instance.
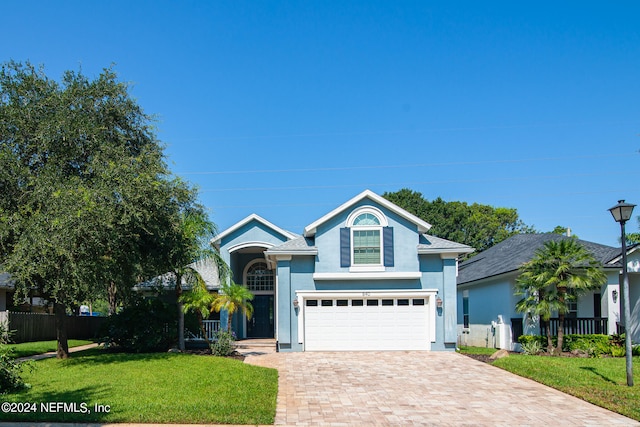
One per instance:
(111, 291)
(61, 330)
(560, 333)
(229, 320)
(562, 295)
(180, 312)
(547, 327)
(202, 329)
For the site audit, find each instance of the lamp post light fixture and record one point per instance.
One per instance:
(622, 213)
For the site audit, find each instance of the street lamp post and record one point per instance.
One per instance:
(622, 213)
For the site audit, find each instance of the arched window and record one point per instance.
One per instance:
(366, 219)
(367, 241)
(259, 277)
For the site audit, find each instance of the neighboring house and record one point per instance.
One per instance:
(487, 316)
(365, 276)
(34, 304)
(166, 283)
(5, 288)
(633, 268)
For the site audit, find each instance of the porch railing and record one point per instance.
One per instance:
(210, 327)
(578, 325)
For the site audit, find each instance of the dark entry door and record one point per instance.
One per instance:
(261, 323)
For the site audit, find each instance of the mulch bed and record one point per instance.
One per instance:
(207, 352)
(486, 357)
(479, 357)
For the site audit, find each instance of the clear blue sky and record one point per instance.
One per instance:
(288, 109)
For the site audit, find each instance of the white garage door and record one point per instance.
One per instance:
(385, 323)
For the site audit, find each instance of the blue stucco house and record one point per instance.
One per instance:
(487, 316)
(365, 276)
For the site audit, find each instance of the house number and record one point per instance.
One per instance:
(366, 294)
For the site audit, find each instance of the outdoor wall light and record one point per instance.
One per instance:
(295, 303)
(439, 302)
(614, 295)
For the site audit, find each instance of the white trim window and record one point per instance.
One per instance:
(367, 241)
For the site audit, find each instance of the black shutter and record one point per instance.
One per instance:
(387, 240)
(345, 247)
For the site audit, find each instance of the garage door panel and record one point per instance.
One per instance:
(366, 326)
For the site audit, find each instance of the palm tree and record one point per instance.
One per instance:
(198, 299)
(231, 298)
(191, 243)
(559, 272)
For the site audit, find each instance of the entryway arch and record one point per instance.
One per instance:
(260, 280)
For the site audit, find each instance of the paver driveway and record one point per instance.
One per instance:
(417, 388)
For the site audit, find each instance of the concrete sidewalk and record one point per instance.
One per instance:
(53, 353)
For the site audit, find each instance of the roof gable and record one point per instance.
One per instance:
(253, 217)
(617, 258)
(423, 226)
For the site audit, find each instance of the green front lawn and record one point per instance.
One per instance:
(30, 348)
(149, 388)
(477, 350)
(601, 381)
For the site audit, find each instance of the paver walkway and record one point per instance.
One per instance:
(417, 388)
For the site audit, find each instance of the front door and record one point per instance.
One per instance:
(261, 324)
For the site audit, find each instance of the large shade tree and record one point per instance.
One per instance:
(557, 275)
(479, 226)
(88, 205)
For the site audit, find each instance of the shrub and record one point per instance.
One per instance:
(148, 325)
(618, 351)
(526, 339)
(636, 350)
(10, 369)
(592, 344)
(224, 343)
(531, 347)
(595, 345)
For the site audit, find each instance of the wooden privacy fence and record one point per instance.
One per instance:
(42, 327)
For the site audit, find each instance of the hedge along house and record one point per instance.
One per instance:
(487, 316)
(365, 276)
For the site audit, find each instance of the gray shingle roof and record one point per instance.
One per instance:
(510, 254)
(206, 268)
(433, 243)
(299, 244)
